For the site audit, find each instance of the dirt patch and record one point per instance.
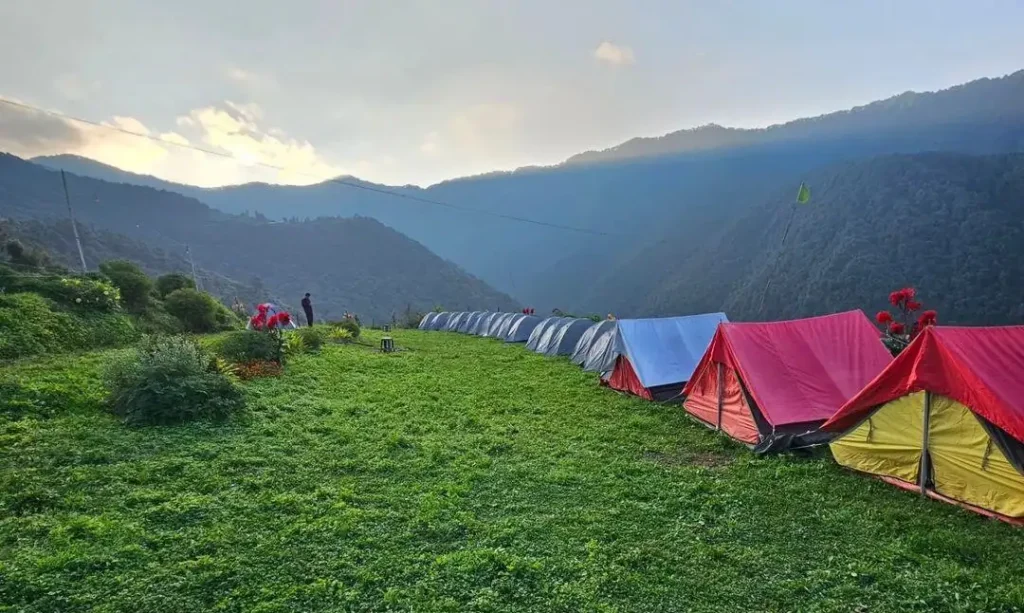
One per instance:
(705, 459)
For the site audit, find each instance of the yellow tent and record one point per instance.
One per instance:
(945, 418)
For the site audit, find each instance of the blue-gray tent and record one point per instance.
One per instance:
(545, 341)
(492, 329)
(441, 321)
(564, 340)
(654, 358)
(466, 322)
(482, 323)
(538, 332)
(592, 335)
(455, 320)
(507, 324)
(425, 322)
(521, 330)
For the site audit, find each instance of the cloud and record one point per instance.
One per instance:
(234, 129)
(72, 87)
(249, 79)
(614, 55)
(29, 133)
(430, 146)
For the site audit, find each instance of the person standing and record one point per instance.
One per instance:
(307, 307)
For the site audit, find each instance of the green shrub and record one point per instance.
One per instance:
(169, 380)
(312, 338)
(73, 292)
(156, 320)
(246, 346)
(198, 311)
(348, 324)
(168, 283)
(135, 286)
(30, 326)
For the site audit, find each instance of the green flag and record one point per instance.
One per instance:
(803, 194)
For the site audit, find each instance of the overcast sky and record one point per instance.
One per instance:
(416, 92)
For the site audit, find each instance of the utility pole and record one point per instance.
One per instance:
(74, 227)
(195, 281)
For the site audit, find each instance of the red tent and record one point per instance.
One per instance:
(773, 384)
(945, 418)
(980, 368)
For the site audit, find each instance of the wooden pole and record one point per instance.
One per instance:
(721, 392)
(925, 468)
(74, 226)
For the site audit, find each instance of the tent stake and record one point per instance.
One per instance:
(721, 392)
(925, 460)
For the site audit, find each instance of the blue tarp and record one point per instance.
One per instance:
(666, 350)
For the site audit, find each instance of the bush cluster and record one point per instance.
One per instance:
(244, 346)
(31, 325)
(312, 338)
(169, 380)
(349, 324)
(198, 311)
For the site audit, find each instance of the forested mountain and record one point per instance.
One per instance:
(646, 191)
(951, 225)
(985, 99)
(355, 264)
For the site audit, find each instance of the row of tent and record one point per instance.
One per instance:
(946, 417)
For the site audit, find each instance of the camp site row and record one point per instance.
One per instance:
(945, 417)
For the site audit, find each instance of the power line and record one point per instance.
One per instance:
(270, 166)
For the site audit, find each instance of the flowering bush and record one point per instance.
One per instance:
(258, 368)
(899, 330)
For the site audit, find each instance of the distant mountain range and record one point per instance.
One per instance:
(354, 264)
(650, 207)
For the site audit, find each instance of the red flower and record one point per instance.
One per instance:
(913, 305)
(896, 328)
(283, 318)
(928, 318)
(883, 317)
(909, 292)
(896, 298)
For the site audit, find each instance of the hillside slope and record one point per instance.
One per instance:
(951, 225)
(630, 198)
(355, 264)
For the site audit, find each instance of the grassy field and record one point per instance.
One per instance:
(460, 475)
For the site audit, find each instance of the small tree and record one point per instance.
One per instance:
(197, 311)
(899, 330)
(170, 282)
(134, 285)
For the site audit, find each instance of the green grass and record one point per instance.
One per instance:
(460, 475)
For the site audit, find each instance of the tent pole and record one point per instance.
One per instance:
(925, 460)
(721, 392)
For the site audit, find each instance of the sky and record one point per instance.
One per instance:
(415, 92)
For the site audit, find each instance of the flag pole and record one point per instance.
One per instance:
(803, 194)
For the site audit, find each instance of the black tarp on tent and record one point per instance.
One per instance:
(545, 341)
(466, 322)
(482, 323)
(507, 324)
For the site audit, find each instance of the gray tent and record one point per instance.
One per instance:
(492, 330)
(456, 319)
(425, 322)
(507, 324)
(521, 330)
(579, 353)
(603, 351)
(466, 322)
(544, 342)
(564, 340)
(481, 323)
(441, 321)
(538, 332)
